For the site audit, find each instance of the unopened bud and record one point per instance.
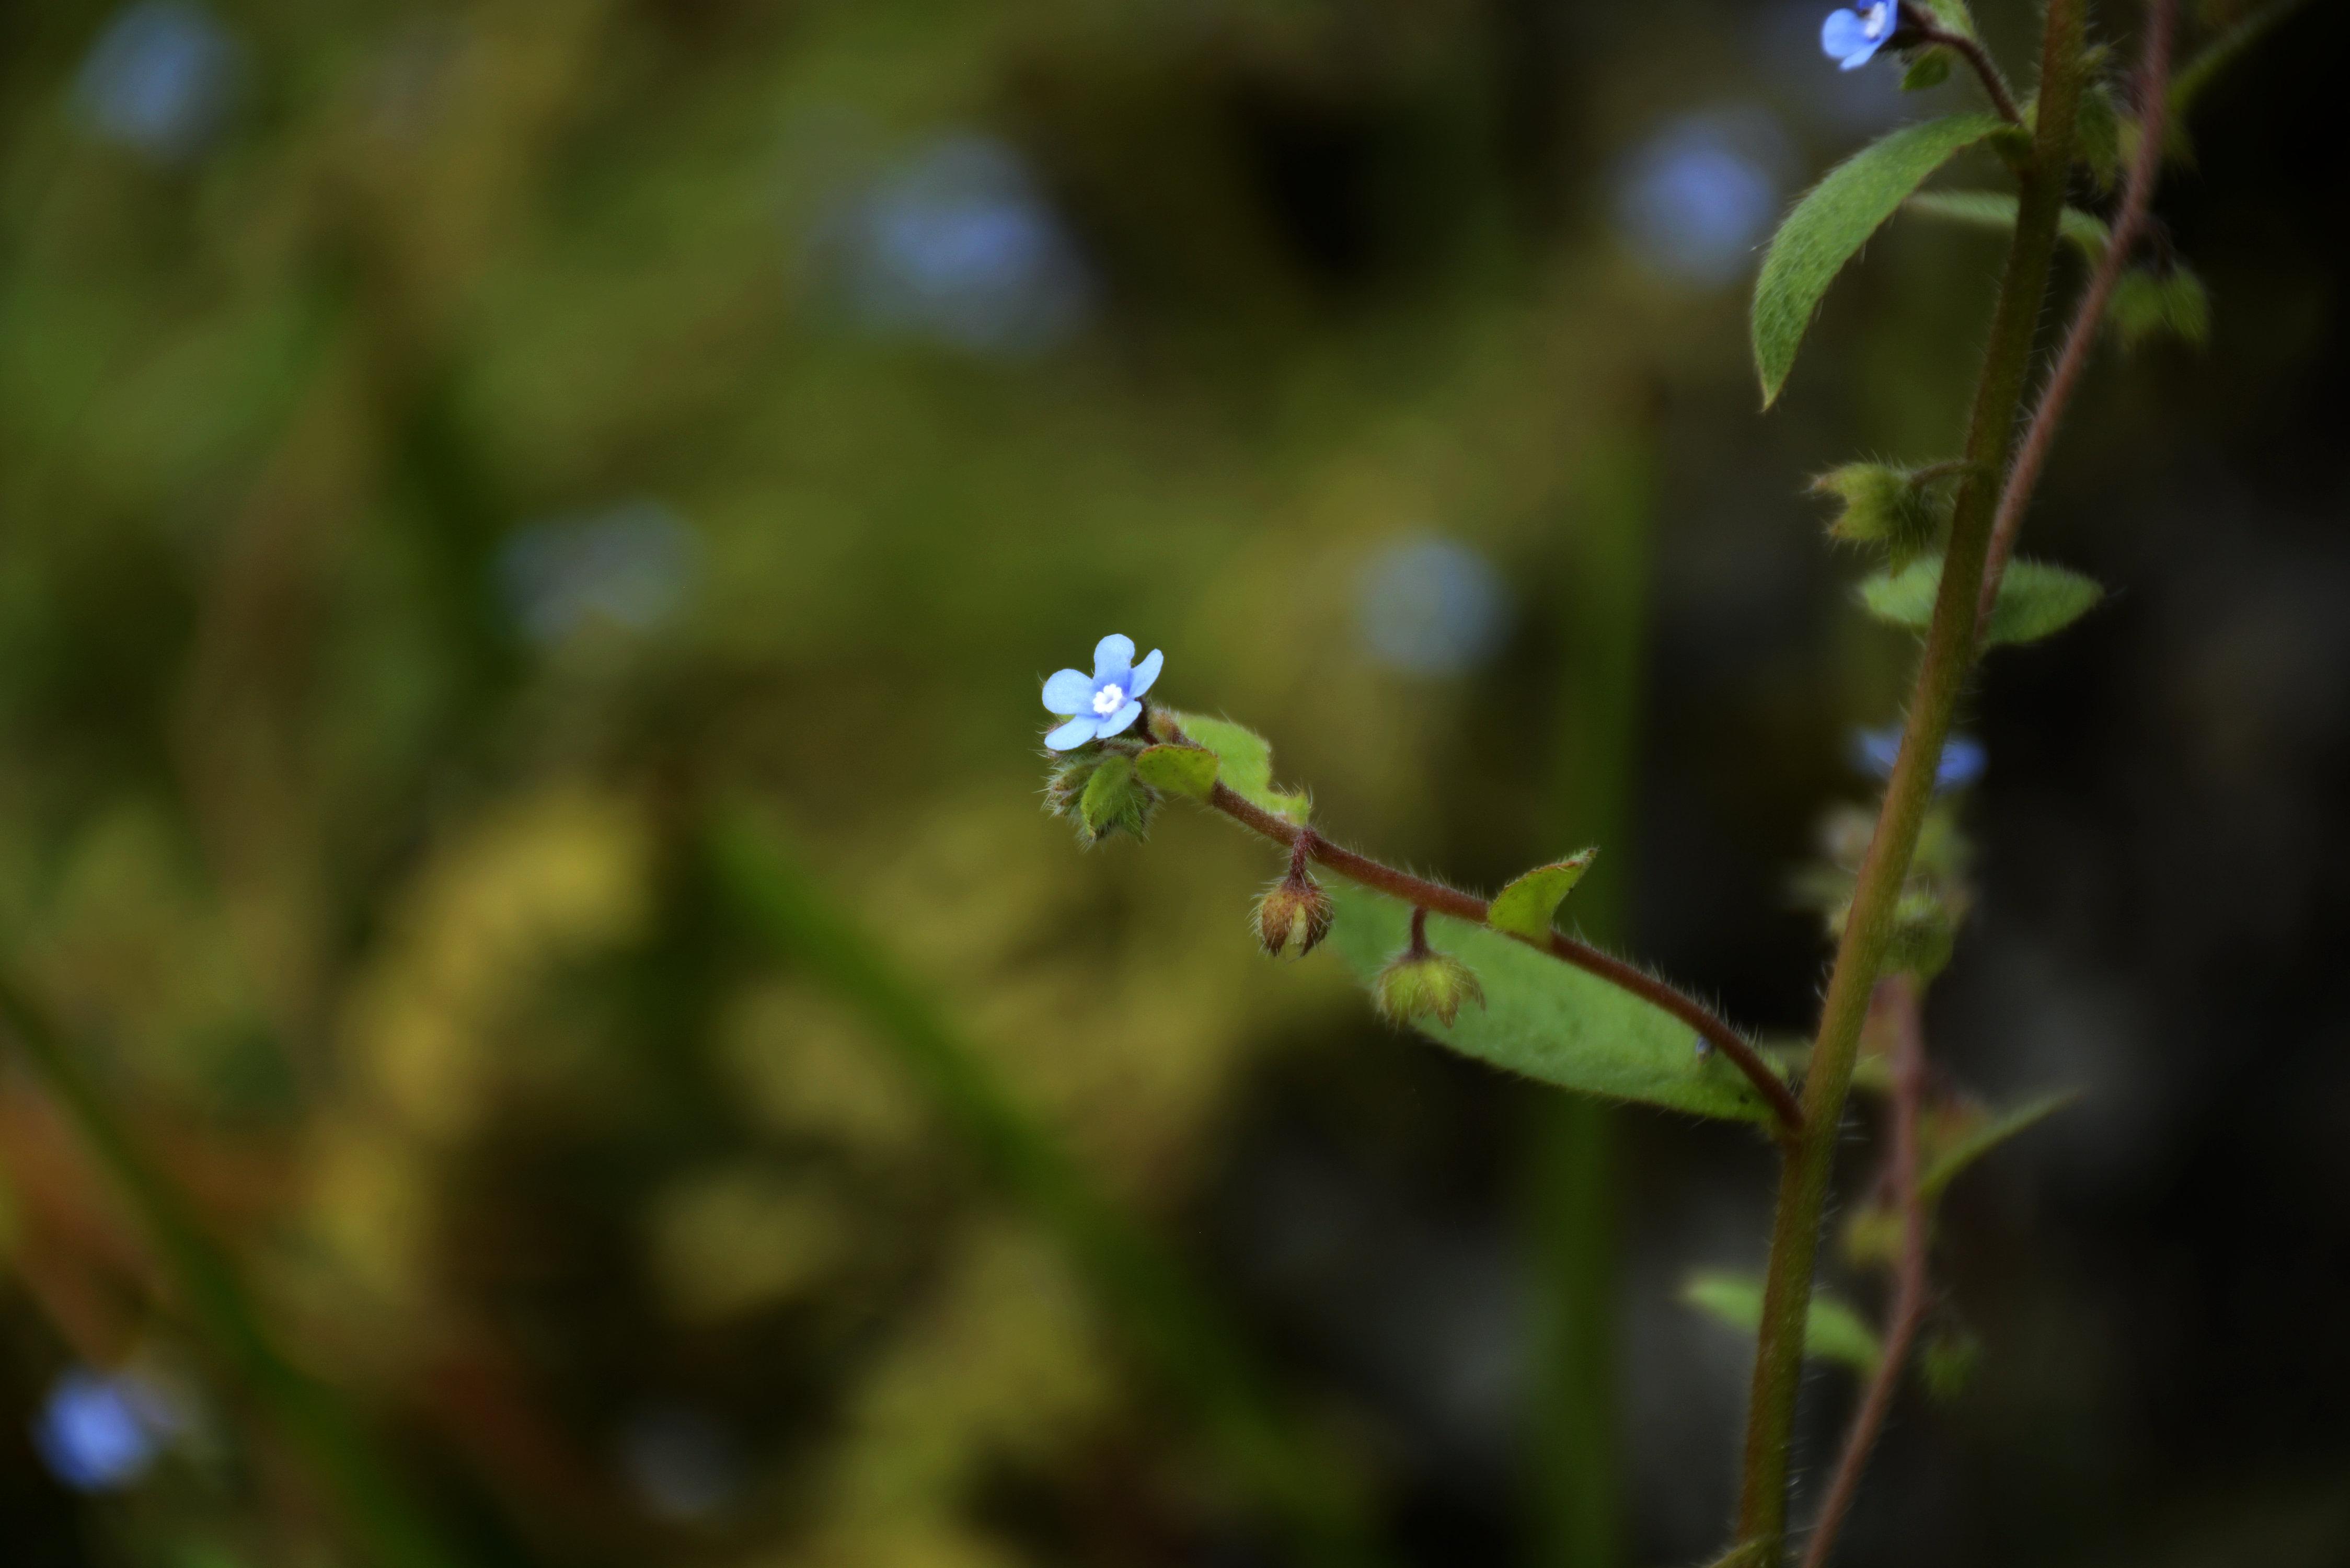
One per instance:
(1295, 908)
(1420, 982)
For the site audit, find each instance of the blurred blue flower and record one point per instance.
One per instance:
(1432, 606)
(1106, 702)
(960, 243)
(100, 1432)
(1874, 752)
(159, 79)
(1696, 198)
(630, 566)
(1855, 36)
(683, 1463)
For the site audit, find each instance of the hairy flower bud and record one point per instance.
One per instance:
(1420, 982)
(1295, 908)
(1434, 984)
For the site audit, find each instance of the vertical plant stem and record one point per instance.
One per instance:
(391, 1530)
(1145, 1293)
(1942, 673)
(2081, 338)
(1574, 1203)
(1896, 996)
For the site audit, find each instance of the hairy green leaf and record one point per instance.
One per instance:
(2035, 599)
(1527, 906)
(1931, 69)
(2097, 134)
(1996, 210)
(1832, 1330)
(1245, 763)
(1902, 509)
(1178, 770)
(1549, 1019)
(1945, 1164)
(1833, 221)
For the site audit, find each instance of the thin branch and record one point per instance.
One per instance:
(1897, 995)
(2080, 341)
(1423, 894)
(1971, 51)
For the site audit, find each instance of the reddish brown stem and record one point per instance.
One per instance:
(1424, 896)
(1994, 85)
(2081, 339)
(1896, 999)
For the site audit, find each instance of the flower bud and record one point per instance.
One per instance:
(1295, 908)
(1422, 983)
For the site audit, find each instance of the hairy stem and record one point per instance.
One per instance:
(2081, 339)
(1942, 673)
(390, 1528)
(1897, 998)
(1986, 69)
(1434, 897)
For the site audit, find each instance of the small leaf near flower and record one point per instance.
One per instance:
(2035, 599)
(1178, 770)
(1528, 904)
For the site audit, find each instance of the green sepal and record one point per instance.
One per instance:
(1244, 760)
(1950, 1148)
(1995, 210)
(1528, 904)
(1832, 1330)
(2035, 599)
(1178, 770)
(1114, 801)
(1902, 509)
(2149, 303)
(1930, 67)
(1952, 15)
(1548, 1020)
(1833, 221)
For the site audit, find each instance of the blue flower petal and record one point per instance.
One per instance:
(1068, 691)
(1845, 38)
(1962, 763)
(1073, 734)
(1121, 719)
(1113, 655)
(1145, 673)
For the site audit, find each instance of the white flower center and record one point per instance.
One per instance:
(1880, 17)
(1109, 699)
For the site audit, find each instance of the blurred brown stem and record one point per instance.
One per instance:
(1423, 894)
(2080, 340)
(1896, 1001)
(1987, 69)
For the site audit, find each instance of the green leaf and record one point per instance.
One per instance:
(1527, 906)
(2146, 303)
(1832, 1330)
(1931, 69)
(1178, 770)
(1971, 1145)
(1549, 1019)
(1834, 220)
(1996, 210)
(2035, 599)
(1245, 763)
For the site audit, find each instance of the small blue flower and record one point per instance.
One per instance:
(1106, 702)
(1874, 752)
(98, 1432)
(1855, 36)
